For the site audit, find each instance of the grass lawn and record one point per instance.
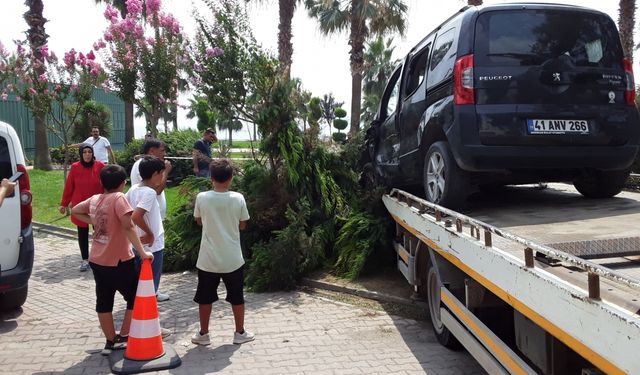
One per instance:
(47, 186)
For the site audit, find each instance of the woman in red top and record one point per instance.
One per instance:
(82, 182)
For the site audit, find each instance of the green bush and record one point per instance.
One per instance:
(92, 114)
(57, 154)
(126, 157)
(180, 143)
(291, 253)
(339, 137)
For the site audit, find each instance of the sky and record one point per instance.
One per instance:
(321, 62)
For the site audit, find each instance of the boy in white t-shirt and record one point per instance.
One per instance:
(146, 212)
(222, 214)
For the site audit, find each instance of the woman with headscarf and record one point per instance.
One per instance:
(82, 182)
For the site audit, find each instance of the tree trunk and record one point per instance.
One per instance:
(474, 2)
(174, 114)
(230, 137)
(356, 39)
(37, 38)
(129, 131)
(285, 47)
(626, 22)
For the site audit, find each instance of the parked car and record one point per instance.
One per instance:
(16, 235)
(509, 94)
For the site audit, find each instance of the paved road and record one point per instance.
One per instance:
(296, 333)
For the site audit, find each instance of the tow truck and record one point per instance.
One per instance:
(530, 280)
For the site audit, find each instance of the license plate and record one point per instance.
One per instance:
(550, 126)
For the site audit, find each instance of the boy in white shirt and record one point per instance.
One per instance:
(146, 212)
(222, 214)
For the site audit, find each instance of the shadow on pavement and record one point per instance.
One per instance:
(207, 359)
(8, 320)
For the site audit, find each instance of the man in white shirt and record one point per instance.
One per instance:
(101, 146)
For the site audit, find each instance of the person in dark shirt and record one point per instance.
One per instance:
(202, 153)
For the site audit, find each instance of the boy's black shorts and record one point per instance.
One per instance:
(122, 278)
(208, 282)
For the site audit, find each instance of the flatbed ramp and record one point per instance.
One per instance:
(559, 272)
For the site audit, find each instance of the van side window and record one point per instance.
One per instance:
(417, 70)
(5, 159)
(390, 97)
(442, 58)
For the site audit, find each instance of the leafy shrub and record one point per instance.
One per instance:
(292, 252)
(361, 235)
(180, 143)
(126, 157)
(339, 137)
(57, 154)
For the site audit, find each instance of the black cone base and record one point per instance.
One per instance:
(121, 365)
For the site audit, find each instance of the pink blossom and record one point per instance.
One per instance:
(57, 88)
(82, 60)
(110, 13)
(108, 36)
(44, 51)
(153, 6)
(32, 91)
(151, 41)
(42, 78)
(4, 96)
(70, 58)
(18, 98)
(134, 7)
(20, 49)
(214, 52)
(91, 56)
(74, 87)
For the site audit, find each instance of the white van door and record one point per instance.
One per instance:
(10, 209)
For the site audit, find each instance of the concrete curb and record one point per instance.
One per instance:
(55, 230)
(314, 284)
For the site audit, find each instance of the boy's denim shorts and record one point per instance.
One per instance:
(207, 291)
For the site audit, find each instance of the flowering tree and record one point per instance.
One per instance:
(60, 90)
(143, 57)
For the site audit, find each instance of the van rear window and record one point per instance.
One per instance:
(5, 159)
(532, 37)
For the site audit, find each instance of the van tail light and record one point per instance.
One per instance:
(463, 81)
(630, 90)
(26, 213)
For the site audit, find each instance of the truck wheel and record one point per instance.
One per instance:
(13, 299)
(444, 182)
(444, 336)
(601, 184)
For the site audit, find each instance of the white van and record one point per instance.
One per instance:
(16, 234)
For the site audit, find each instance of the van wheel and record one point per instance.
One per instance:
(13, 299)
(444, 182)
(601, 184)
(444, 336)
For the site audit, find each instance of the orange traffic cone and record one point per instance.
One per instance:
(145, 337)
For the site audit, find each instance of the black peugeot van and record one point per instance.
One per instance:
(509, 94)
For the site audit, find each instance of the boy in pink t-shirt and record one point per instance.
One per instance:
(111, 257)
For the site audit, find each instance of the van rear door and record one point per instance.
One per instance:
(550, 76)
(10, 209)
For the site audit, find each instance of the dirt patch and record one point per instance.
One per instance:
(387, 281)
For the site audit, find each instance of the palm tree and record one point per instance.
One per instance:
(474, 2)
(626, 22)
(121, 5)
(37, 38)
(362, 18)
(378, 68)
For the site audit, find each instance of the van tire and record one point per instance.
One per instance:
(444, 336)
(601, 184)
(13, 299)
(443, 181)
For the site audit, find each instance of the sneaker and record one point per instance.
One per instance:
(241, 338)
(122, 340)
(199, 339)
(161, 297)
(165, 332)
(111, 346)
(84, 266)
